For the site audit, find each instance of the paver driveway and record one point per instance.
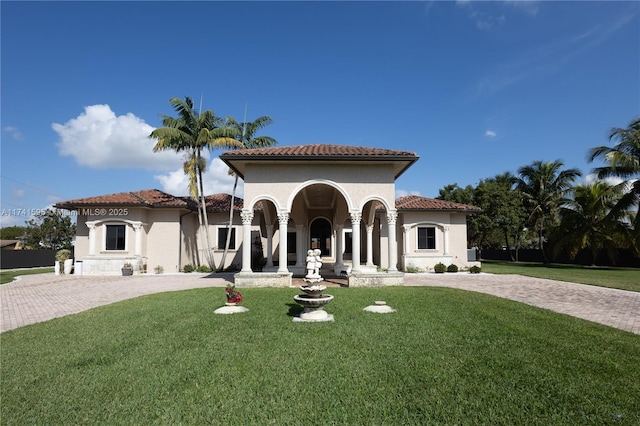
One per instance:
(36, 298)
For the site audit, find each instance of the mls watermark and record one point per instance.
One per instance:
(80, 212)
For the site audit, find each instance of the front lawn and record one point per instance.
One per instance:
(10, 275)
(446, 357)
(620, 278)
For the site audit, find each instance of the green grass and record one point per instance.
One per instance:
(446, 357)
(8, 276)
(620, 278)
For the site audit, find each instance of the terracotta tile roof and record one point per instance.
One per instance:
(144, 198)
(416, 202)
(154, 198)
(317, 151)
(221, 203)
(236, 159)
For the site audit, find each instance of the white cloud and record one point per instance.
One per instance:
(490, 133)
(546, 60)
(403, 193)
(99, 139)
(529, 7)
(216, 180)
(592, 177)
(14, 132)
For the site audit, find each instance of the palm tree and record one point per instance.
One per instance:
(589, 220)
(191, 132)
(544, 186)
(623, 162)
(245, 134)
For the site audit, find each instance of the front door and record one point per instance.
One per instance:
(321, 236)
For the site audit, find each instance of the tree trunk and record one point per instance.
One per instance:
(208, 248)
(541, 245)
(506, 240)
(228, 239)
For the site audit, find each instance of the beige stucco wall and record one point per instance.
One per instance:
(410, 256)
(358, 183)
(163, 240)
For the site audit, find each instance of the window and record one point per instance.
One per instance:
(115, 237)
(222, 238)
(426, 238)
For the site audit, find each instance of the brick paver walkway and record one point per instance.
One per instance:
(36, 298)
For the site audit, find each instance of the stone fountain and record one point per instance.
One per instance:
(313, 300)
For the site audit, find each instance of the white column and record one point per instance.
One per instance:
(339, 249)
(370, 245)
(283, 221)
(138, 228)
(405, 231)
(247, 218)
(300, 246)
(446, 239)
(405, 244)
(269, 246)
(92, 238)
(392, 217)
(356, 218)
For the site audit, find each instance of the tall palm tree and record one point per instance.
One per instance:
(192, 132)
(623, 162)
(245, 135)
(589, 220)
(544, 186)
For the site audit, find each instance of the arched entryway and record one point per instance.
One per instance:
(320, 235)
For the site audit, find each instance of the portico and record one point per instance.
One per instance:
(324, 197)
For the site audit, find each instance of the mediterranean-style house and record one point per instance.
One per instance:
(339, 199)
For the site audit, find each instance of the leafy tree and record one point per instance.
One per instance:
(503, 214)
(245, 134)
(452, 192)
(50, 230)
(12, 232)
(192, 132)
(623, 162)
(589, 220)
(544, 186)
(456, 194)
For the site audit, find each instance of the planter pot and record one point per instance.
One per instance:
(56, 268)
(127, 272)
(68, 265)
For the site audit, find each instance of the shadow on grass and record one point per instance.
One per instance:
(294, 309)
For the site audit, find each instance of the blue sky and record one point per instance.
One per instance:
(474, 88)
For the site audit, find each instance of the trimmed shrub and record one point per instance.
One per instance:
(188, 268)
(411, 269)
(440, 268)
(62, 255)
(475, 269)
(204, 268)
(452, 268)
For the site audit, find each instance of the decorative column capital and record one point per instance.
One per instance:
(91, 225)
(247, 217)
(392, 217)
(369, 229)
(356, 218)
(283, 218)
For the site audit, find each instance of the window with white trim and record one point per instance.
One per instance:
(115, 237)
(222, 238)
(426, 238)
